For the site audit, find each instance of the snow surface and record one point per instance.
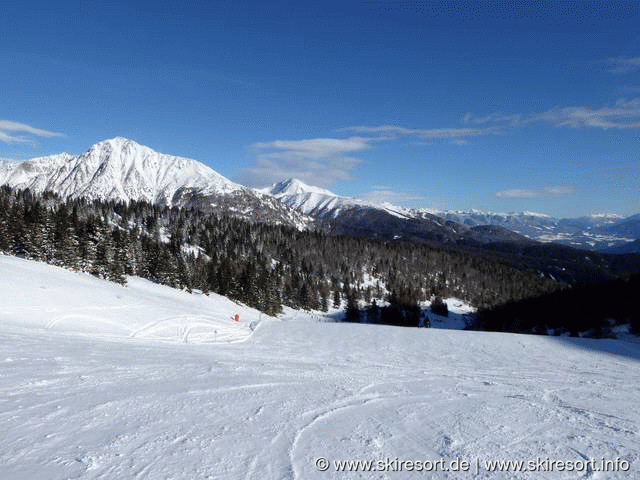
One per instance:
(88, 397)
(310, 200)
(293, 186)
(43, 297)
(458, 318)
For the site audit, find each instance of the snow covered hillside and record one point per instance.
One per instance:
(86, 393)
(321, 203)
(43, 297)
(121, 169)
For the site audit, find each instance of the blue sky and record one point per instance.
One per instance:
(497, 105)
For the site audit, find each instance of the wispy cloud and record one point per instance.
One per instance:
(384, 194)
(428, 133)
(504, 119)
(630, 89)
(317, 161)
(14, 132)
(623, 64)
(624, 114)
(547, 192)
(317, 147)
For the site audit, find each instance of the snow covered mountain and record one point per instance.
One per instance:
(123, 170)
(595, 232)
(352, 216)
(314, 201)
(117, 169)
(602, 232)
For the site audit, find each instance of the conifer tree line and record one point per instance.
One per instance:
(262, 265)
(593, 310)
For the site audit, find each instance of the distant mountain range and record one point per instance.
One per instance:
(350, 216)
(122, 170)
(607, 233)
(596, 232)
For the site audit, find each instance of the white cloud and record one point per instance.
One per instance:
(384, 194)
(547, 192)
(317, 147)
(512, 120)
(6, 138)
(316, 161)
(517, 193)
(325, 161)
(624, 114)
(623, 64)
(429, 133)
(9, 128)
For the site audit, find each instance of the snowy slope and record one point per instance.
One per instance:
(92, 406)
(34, 174)
(318, 202)
(63, 301)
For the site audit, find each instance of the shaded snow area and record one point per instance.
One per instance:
(459, 314)
(84, 393)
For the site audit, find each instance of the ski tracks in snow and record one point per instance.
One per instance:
(84, 406)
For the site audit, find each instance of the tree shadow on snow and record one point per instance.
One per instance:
(620, 348)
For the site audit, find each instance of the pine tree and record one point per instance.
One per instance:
(103, 248)
(352, 312)
(4, 235)
(337, 301)
(439, 307)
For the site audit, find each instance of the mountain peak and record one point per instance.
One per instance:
(117, 141)
(606, 216)
(294, 186)
(119, 144)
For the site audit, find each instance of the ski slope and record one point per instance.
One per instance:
(87, 392)
(40, 296)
